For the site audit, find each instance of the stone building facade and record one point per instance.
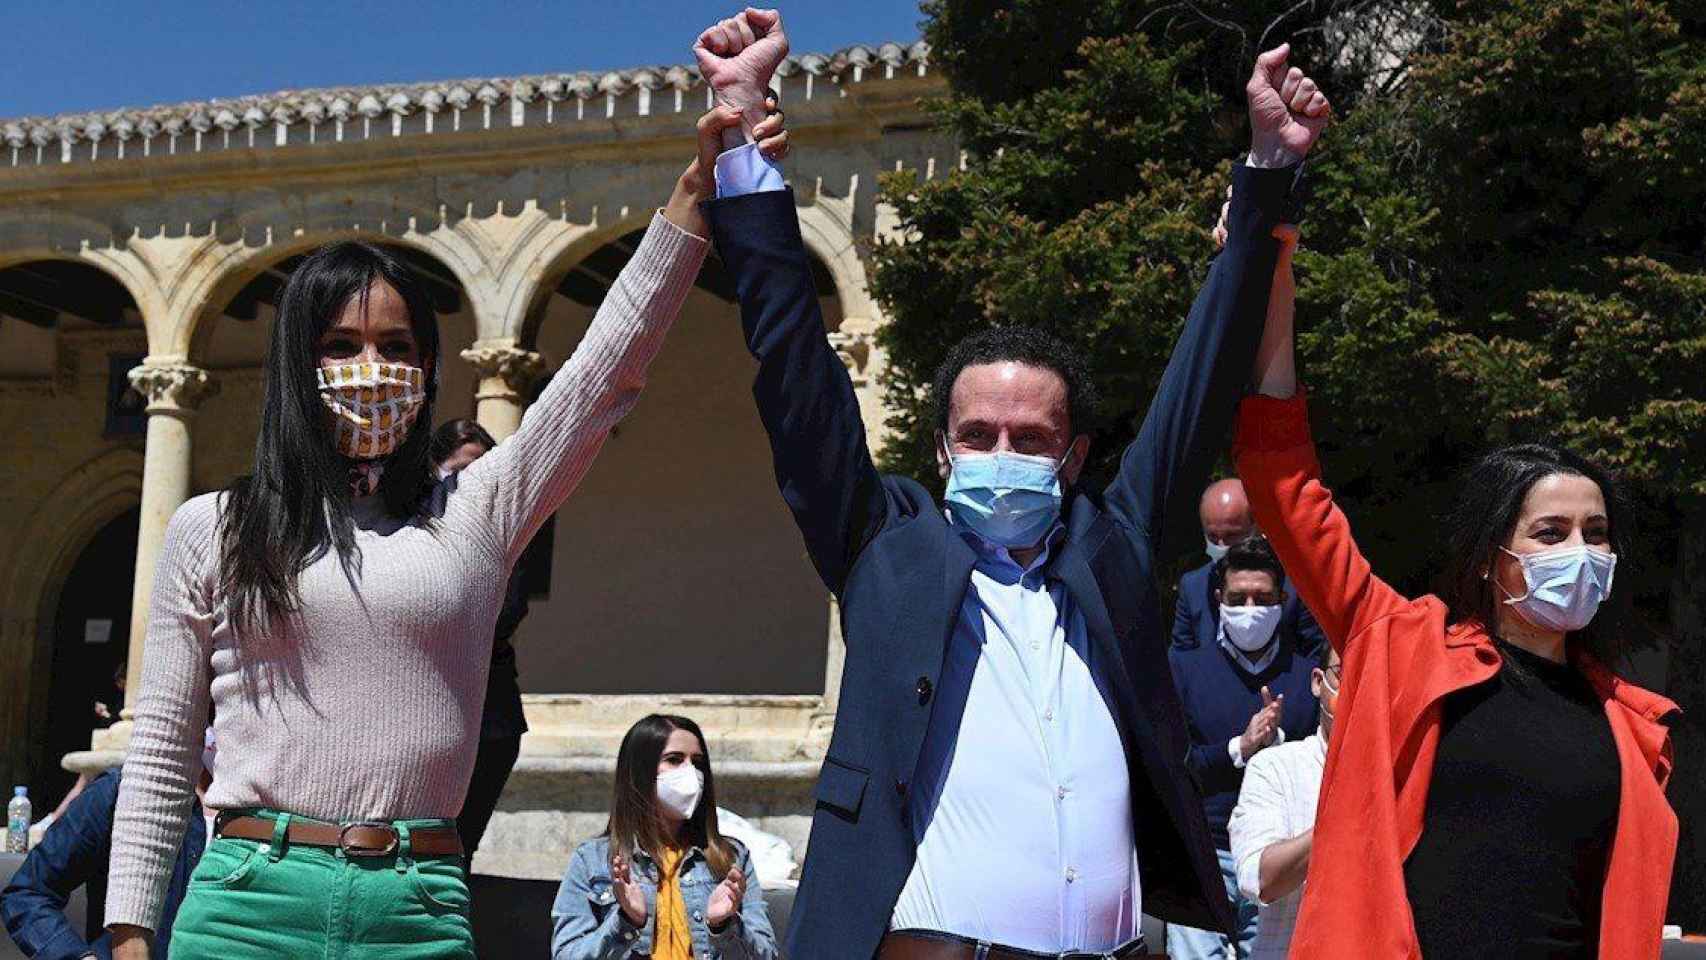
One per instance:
(141, 254)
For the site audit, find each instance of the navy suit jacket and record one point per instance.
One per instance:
(1196, 617)
(73, 853)
(882, 546)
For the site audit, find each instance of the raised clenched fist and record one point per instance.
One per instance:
(737, 57)
(1287, 110)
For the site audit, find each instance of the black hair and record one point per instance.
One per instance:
(1018, 344)
(1484, 518)
(1251, 553)
(452, 434)
(295, 506)
(634, 819)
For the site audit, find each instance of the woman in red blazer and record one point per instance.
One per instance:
(1492, 789)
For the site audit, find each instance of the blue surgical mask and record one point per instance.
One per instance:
(1006, 498)
(1565, 586)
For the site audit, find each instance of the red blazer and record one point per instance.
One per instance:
(1400, 658)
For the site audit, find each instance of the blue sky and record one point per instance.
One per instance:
(75, 55)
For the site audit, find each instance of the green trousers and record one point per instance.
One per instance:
(249, 900)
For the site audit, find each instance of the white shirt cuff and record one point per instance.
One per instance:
(1238, 756)
(744, 170)
(1250, 876)
(1277, 159)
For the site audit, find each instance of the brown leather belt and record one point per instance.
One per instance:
(363, 838)
(931, 945)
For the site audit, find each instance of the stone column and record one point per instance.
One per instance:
(507, 372)
(173, 391)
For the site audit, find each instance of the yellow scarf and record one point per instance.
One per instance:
(673, 939)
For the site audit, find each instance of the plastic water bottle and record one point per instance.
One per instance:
(18, 821)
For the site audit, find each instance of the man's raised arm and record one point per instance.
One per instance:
(804, 396)
(1189, 419)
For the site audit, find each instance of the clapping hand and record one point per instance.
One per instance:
(1287, 110)
(630, 896)
(1264, 726)
(726, 899)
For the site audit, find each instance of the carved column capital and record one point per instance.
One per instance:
(505, 372)
(172, 388)
(854, 349)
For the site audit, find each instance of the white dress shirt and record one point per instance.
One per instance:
(1276, 802)
(1027, 839)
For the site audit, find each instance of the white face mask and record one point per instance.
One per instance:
(679, 789)
(374, 404)
(1565, 586)
(1250, 628)
(1214, 550)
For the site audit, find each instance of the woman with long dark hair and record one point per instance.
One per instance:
(337, 606)
(662, 882)
(1493, 788)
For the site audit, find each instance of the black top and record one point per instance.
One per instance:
(1520, 816)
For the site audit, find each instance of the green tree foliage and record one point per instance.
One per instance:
(1507, 239)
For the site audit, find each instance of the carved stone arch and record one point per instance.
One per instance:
(532, 272)
(218, 275)
(89, 497)
(826, 226)
(124, 269)
(827, 229)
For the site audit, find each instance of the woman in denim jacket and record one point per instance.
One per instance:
(662, 882)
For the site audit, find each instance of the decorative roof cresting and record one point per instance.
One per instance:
(276, 119)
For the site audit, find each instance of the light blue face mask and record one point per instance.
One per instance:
(1006, 498)
(1565, 586)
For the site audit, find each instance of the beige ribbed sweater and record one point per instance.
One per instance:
(367, 704)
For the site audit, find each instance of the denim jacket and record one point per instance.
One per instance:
(589, 925)
(73, 853)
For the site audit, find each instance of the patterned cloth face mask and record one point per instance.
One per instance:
(373, 405)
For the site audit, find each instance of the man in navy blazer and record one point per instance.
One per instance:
(1225, 515)
(1008, 775)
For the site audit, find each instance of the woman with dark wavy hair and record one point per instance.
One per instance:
(337, 605)
(662, 882)
(1493, 788)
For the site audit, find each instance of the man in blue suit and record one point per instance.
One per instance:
(1008, 776)
(1225, 515)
